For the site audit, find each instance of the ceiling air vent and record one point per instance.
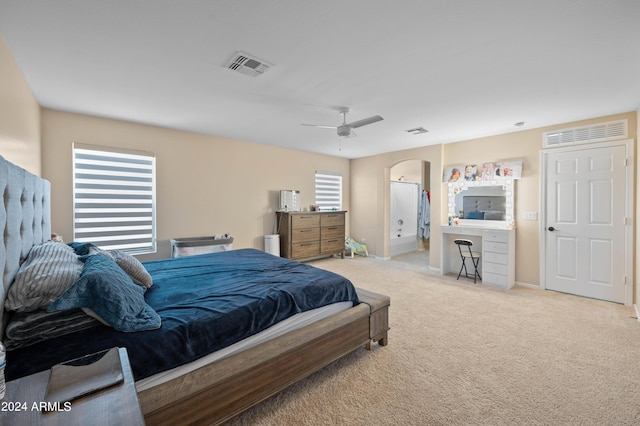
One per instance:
(594, 133)
(417, 130)
(248, 65)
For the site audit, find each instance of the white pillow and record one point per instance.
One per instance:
(49, 269)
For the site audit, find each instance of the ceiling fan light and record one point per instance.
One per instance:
(344, 131)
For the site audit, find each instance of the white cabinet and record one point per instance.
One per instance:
(498, 257)
(498, 248)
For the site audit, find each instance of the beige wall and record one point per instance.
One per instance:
(205, 185)
(407, 171)
(19, 115)
(370, 177)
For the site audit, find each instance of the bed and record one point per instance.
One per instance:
(228, 369)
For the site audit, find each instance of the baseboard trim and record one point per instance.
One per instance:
(521, 284)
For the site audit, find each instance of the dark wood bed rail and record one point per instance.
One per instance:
(234, 384)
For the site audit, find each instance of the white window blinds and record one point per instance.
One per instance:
(329, 191)
(114, 199)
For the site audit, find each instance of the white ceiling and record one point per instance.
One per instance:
(460, 68)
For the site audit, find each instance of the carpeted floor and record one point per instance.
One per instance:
(461, 354)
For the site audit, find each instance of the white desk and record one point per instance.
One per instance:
(498, 248)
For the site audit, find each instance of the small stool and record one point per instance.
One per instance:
(467, 253)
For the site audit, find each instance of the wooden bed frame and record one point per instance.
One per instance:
(221, 390)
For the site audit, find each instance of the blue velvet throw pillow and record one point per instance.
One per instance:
(107, 290)
(81, 249)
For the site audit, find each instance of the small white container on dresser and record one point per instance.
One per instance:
(498, 257)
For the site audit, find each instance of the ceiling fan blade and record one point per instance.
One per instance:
(321, 126)
(365, 121)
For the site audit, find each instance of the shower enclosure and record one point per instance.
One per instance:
(405, 199)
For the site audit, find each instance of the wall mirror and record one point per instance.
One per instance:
(482, 203)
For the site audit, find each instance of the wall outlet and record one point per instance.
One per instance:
(530, 216)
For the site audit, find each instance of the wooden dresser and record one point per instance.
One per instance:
(311, 235)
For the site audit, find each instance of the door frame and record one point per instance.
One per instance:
(629, 206)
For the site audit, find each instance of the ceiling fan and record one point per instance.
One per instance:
(345, 130)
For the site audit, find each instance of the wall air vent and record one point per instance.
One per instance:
(594, 133)
(248, 65)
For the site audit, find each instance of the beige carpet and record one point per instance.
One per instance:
(461, 354)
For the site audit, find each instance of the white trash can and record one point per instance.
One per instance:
(272, 244)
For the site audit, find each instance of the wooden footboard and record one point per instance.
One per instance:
(217, 392)
(378, 317)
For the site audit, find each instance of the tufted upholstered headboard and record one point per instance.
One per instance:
(25, 220)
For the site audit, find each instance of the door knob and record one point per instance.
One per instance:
(551, 228)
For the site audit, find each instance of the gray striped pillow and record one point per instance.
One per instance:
(133, 268)
(129, 264)
(49, 269)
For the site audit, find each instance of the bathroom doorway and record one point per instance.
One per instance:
(409, 227)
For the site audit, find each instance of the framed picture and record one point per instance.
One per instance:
(488, 171)
(506, 170)
(471, 173)
(453, 174)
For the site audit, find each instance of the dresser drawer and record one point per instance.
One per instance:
(491, 278)
(495, 268)
(333, 245)
(332, 232)
(501, 258)
(305, 221)
(492, 246)
(299, 235)
(332, 219)
(303, 250)
(500, 236)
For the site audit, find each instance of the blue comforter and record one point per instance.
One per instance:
(206, 302)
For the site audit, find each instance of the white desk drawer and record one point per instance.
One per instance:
(489, 278)
(495, 268)
(501, 236)
(495, 247)
(493, 257)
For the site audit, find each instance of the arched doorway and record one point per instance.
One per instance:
(409, 211)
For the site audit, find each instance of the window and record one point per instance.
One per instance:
(329, 191)
(114, 199)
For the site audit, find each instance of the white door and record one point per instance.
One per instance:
(585, 222)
